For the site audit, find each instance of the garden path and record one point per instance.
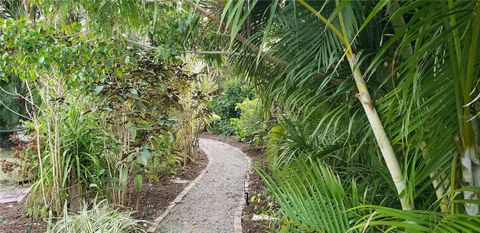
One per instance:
(213, 203)
(13, 195)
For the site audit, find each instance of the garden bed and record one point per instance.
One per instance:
(256, 185)
(13, 219)
(154, 199)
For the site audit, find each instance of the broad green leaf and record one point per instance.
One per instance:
(144, 157)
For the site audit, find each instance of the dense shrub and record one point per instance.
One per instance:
(165, 158)
(251, 126)
(12, 106)
(105, 115)
(225, 106)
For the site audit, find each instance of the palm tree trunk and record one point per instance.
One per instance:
(367, 103)
(398, 23)
(469, 159)
(379, 131)
(476, 160)
(26, 8)
(467, 175)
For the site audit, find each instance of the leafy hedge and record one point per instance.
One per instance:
(251, 126)
(225, 106)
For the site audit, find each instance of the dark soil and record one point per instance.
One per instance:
(256, 185)
(156, 196)
(154, 199)
(14, 220)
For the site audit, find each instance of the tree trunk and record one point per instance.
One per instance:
(398, 23)
(74, 191)
(26, 8)
(367, 103)
(379, 131)
(468, 180)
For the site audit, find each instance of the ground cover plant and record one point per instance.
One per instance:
(99, 217)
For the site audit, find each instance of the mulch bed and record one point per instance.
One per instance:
(156, 196)
(14, 220)
(154, 199)
(256, 184)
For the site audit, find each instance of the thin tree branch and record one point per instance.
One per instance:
(209, 52)
(149, 47)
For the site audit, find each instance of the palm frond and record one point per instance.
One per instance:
(312, 199)
(384, 219)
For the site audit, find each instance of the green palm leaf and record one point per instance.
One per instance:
(312, 199)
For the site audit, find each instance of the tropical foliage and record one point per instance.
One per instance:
(380, 91)
(225, 104)
(372, 106)
(103, 112)
(251, 126)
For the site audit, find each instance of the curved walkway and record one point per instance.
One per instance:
(211, 205)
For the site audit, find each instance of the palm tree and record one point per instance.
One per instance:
(420, 63)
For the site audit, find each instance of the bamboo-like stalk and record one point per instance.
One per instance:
(26, 8)
(367, 103)
(398, 23)
(34, 118)
(55, 192)
(56, 181)
(456, 54)
(57, 144)
(468, 159)
(379, 132)
(476, 160)
(467, 175)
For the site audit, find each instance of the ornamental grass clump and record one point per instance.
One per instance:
(97, 217)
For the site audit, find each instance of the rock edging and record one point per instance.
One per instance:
(180, 196)
(237, 219)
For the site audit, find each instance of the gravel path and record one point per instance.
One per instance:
(211, 204)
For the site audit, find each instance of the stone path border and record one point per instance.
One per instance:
(237, 221)
(14, 195)
(180, 196)
(237, 215)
